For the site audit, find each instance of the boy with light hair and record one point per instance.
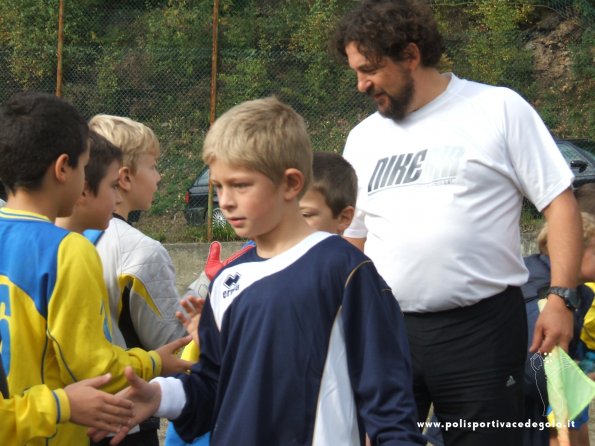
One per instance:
(539, 266)
(301, 340)
(137, 269)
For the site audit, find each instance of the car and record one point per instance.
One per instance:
(580, 156)
(196, 199)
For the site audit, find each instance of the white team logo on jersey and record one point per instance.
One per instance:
(231, 282)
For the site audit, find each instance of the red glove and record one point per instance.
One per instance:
(214, 264)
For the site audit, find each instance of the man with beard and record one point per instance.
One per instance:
(442, 170)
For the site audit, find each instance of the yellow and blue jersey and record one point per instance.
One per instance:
(54, 316)
(33, 415)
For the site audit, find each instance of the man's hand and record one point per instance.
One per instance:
(146, 398)
(170, 362)
(193, 306)
(554, 326)
(93, 408)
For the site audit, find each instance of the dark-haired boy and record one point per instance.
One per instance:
(329, 203)
(93, 210)
(52, 295)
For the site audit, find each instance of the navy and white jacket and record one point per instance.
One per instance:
(305, 348)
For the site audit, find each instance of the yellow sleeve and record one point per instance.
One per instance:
(78, 326)
(35, 414)
(588, 330)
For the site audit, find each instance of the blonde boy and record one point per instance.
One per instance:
(138, 270)
(539, 267)
(53, 321)
(301, 340)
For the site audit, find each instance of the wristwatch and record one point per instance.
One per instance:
(570, 296)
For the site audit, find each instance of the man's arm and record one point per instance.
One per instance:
(555, 323)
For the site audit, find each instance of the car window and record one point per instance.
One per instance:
(203, 179)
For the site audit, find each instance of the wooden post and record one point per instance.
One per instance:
(59, 50)
(213, 108)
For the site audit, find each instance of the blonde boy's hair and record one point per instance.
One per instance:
(132, 137)
(588, 233)
(265, 135)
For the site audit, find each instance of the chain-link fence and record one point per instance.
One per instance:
(152, 60)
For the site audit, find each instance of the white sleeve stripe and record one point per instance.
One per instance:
(173, 397)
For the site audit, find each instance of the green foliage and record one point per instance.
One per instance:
(151, 60)
(489, 43)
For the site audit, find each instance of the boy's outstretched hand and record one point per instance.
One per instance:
(171, 363)
(93, 408)
(193, 307)
(146, 398)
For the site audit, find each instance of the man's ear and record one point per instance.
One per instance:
(61, 168)
(412, 55)
(124, 181)
(293, 183)
(345, 218)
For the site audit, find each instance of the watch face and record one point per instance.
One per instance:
(573, 299)
(570, 296)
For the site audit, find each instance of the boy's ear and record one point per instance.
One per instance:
(345, 218)
(124, 181)
(293, 182)
(61, 168)
(82, 200)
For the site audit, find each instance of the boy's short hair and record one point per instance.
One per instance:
(588, 233)
(585, 197)
(102, 154)
(265, 135)
(35, 129)
(132, 137)
(335, 179)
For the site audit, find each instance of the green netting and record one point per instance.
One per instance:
(151, 60)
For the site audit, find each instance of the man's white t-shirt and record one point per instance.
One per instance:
(440, 193)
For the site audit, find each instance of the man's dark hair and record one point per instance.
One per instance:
(35, 129)
(335, 179)
(382, 28)
(102, 154)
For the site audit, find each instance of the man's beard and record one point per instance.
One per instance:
(397, 108)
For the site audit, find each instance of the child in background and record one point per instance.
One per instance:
(294, 333)
(329, 203)
(585, 197)
(536, 400)
(93, 210)
(52, 296)
(137, 269)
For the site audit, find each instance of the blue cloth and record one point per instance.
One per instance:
(173, 439)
